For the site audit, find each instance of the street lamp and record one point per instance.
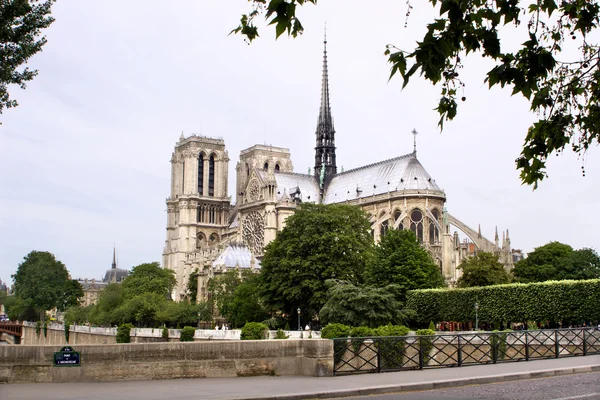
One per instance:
(476, 316)
(299, 319)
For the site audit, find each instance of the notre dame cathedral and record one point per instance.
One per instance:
(206, 232)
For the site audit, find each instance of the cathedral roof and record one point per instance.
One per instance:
(304, 186)
(396, 174)
(236, 255)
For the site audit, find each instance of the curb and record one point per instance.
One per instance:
(440, 384)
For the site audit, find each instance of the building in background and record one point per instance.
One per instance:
(203, 224)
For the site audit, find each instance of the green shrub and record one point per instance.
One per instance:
(124, 333)
(359, 332)
(38, 328)
(67, 331)
(165, 333)
(45, 328)
(431, 326)
(337, 331)
(553, 301)
(499, 344)
(254, 331)
(426, 343)
(280, 334)
(187, 334)
(287, 327)
(391, 350)
(334, 331)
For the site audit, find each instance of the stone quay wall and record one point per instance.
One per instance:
(81, 334)
(146, 361)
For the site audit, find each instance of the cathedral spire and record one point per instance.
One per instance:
(114, 263)
(325, 164)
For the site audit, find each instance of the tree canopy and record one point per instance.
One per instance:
(399, 259)
(21, 22)
(149, 278)
(319, 242)
(556, 68)
(557, 261)
(356, 305)
(42, 283)
(483, 269)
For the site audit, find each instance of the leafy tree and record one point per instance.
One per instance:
(20, 24)
(580, 264)
(399, 259)
(355, 305)
(236, 296)
(149, 278)
(192, 286)
(42, 283)
(483, 269)
(319, 242)
(78, 314)
(556, 68)
(541, 264)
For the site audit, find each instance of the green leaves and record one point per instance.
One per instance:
(547, 301)
(483, 269)
(21, 22)
(319, 242)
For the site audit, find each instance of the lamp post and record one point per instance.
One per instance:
(476, 316)
(299, 319)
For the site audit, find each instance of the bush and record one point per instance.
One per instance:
(431, 326)
(124, 333)
(334, 331)
(287, 326)
(499, 344)
(280, 334)
(391, 350)
(67, 331)
(187, 334)
(38, 328)
(254, 331)
(552, 301)
(165, 334)
(426, 343)
(359, 332)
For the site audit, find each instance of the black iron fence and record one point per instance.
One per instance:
(397, 353)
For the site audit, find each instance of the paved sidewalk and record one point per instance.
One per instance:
(299, 387)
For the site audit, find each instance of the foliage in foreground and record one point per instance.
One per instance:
(556, 67)
(21, 22)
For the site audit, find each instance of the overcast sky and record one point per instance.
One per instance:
(84, 159)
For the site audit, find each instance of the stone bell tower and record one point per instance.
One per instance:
(198, 207)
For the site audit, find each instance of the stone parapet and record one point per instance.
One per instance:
(146, 361)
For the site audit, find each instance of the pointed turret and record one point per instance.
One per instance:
(325, 166)
(114, 263)
(496, 237)
(479, 232)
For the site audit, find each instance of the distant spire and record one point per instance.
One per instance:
(325, 133)
(496, 237)
(114, 263)
(415, 133)
(479, 232)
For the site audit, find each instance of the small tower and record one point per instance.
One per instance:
(325, 164)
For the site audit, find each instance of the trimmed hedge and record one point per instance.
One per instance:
(552, 301)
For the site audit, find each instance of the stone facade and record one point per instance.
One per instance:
(396, 194)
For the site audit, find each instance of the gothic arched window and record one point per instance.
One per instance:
(276, 167)
(211, 175)
(385, 226)
(434, 233)
(201, 174)
(416, 224)
(266, 166)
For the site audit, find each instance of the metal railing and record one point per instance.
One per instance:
(398, 353)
